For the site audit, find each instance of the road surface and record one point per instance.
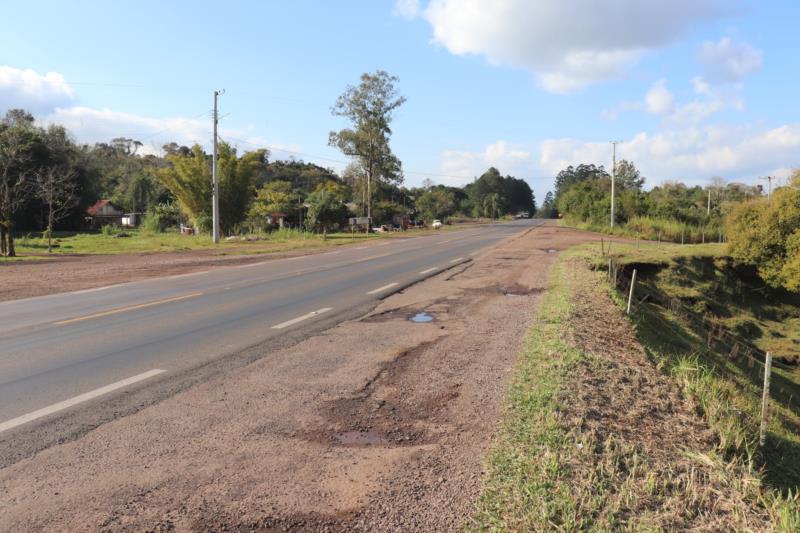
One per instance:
(63, 353)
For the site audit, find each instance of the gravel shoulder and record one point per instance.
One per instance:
(332, 434)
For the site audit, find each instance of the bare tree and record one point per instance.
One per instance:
(55, 187)
(15, 183)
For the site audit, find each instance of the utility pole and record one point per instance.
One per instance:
(769, 187)
(708, 209)
(214, 174)
(613, 177)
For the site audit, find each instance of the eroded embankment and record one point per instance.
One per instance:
(597, 437)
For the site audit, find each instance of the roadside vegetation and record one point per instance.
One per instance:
(595, 438)
(49, 184)
(671, 211)
(714, 288)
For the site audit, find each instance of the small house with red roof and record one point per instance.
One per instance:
(103, 213)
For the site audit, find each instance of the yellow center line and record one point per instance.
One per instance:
(125, 309)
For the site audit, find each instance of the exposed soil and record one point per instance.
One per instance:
(378, 424)
(66, 273)
(619, 399)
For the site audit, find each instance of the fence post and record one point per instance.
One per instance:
(765, 400)
(630, 294)
(602, 248)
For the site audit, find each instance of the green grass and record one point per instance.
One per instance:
(656, 229)
(526, 489)
(544, 474)
(141, 241)
(34, 245)
(728, 391)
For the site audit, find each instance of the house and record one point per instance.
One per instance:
(103, 213)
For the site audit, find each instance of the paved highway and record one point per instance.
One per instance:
(62, 352)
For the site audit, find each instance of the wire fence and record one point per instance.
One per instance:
(719, 341)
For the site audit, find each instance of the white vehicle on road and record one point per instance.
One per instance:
(436, 224)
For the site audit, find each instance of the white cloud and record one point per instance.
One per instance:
(90, 125)
(659, 100)
(568, 44)
(728, 61)
(101, 125)
(507, 158)
(692, 154)
(408, 9)
(34, 92)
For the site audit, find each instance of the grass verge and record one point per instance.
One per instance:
(558, 464)
(728, 390)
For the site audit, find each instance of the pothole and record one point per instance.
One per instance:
(421, 317)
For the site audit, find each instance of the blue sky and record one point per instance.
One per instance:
(694, 88)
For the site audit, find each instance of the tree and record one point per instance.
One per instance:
(274, 197)
(369, 108)
(766, 234)
(436, 203)
(548, 209)
(18, 141)
(491, 205)
(55, 187)
(628, 176)
(189, 179)
(324, 210)
(572, 175)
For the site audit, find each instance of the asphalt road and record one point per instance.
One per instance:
(63, 353)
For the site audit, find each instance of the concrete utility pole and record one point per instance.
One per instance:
(769, 187)
(613, 176)
(214, 175)
(708, 209)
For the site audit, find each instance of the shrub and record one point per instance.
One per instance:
(161, 217)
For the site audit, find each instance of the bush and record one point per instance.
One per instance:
(161, 217)
(110, 230)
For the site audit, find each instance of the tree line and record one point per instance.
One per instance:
(583, 195)
(48, 180)
(760, 230)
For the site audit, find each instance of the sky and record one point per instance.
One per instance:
(693, 88)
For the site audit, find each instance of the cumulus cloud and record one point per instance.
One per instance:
(728, 61)
(507, 158)
(37, 93)
(659, 100)
(692, 154)
(568, 44)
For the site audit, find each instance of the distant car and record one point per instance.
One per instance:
(436, 224)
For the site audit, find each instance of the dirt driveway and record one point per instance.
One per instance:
(379, 424)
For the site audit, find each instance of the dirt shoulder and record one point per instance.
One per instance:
(334, 434)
